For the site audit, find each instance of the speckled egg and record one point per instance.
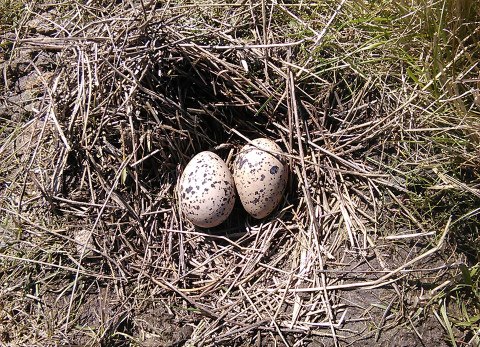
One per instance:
(206, 190)
(260, 177)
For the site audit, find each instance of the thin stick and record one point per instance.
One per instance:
(311, 210)
(324, 30)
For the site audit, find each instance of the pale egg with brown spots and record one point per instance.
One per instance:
(260, 173)
(206, 190)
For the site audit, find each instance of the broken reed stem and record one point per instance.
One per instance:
(306, 188)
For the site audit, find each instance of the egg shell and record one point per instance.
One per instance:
(260, 177)
(206, 190)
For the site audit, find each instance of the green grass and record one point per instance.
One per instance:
(11, 13)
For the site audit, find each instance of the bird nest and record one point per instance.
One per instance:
(134, 96)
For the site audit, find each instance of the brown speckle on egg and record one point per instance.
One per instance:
(206, 190)
(260, 177)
